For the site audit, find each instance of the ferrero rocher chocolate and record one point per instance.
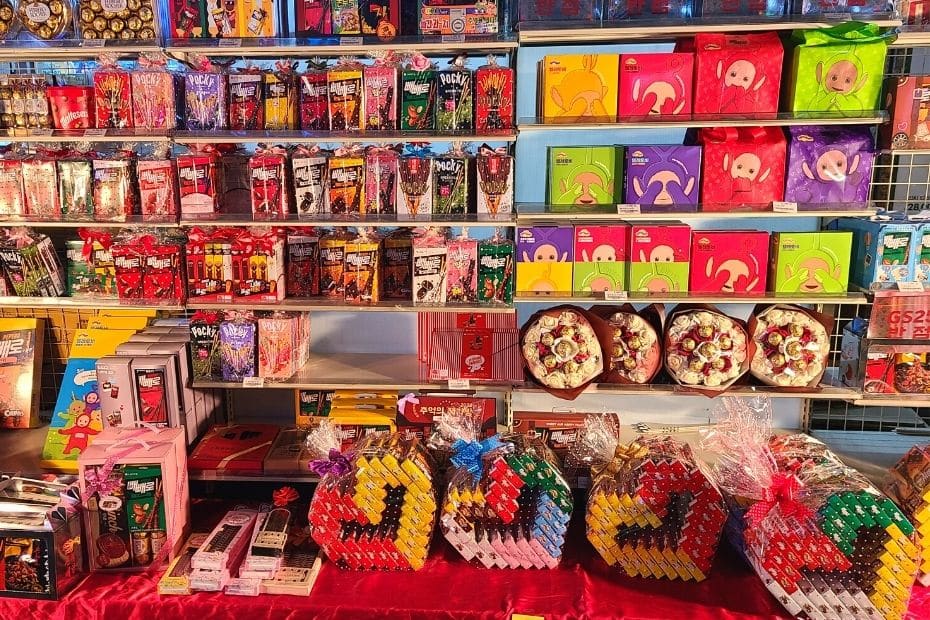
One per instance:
(791, 347)
(561, 349)
(7, 17)
(45, 19)
(116, 19)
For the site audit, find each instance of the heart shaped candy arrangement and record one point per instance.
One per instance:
(651, 510)
(908, 484)
(824, 541)
(376, 508)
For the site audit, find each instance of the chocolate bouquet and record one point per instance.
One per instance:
(705, 349)
(631, 344)
(824, 541)
(651, 510)
(908, 484)
(507, 504)
(375, 507)
(561, 350)
(791, 346)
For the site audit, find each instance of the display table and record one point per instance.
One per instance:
(583, 587)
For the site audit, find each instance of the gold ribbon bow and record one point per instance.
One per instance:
(623, 454)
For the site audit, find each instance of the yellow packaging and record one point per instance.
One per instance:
(361, 273)
(346, 185)
(280, 97)
(364, 395)
(579, 87)
(555, 278)
(257, 18)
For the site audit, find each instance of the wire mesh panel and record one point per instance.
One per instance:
(901, 181)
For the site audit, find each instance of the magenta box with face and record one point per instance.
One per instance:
(663, 175)
(545, 244)
(829, 165)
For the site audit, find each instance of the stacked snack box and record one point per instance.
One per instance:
(908, 484)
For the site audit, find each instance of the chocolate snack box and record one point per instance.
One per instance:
(397, 266)
(417, 100)
(429, 273)
(810, 262)
(584, 175)
(311, 184)
(21, 351)
(281, 94)
(332, 266)
(314, 101)
(494, 98)
(246, 101)
(303, 265)
(380, 83)
(345, 99)
(361, 274)
(452, 176)
(346, 184)
(455, 95)
(600, 258)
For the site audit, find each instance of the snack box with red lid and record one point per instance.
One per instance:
(234, 449)
(415, 417)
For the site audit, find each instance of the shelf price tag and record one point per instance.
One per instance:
(41, 132)
(229, 43)
(253, 382)
(348, 41)
(615, 296)
(94, 43)
(911, 287)
(453, 38)
(459, 384)
(628, 209)
(95, 133)
(784, 207)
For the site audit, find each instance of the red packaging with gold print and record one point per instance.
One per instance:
(493, 98)
(72, 106)
(112, 99)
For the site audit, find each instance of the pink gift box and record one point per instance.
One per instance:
(729, 261)
(655, 85)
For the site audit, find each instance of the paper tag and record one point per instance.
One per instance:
(784, 207)
(911, 287)
(459, 384)
(229, 43)
(253, 382)
(94, 42)
(41, 132)
(453, 38)
(628, 208)
(244, 587)
(615, 295)
(351, 41)
(94, 133)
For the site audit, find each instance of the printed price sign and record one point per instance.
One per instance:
(900, 314)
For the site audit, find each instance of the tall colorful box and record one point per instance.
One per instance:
(20, 371)
(655, 85)
(829, 165)
(660, 256)
(579, 87)
(584, 175)
(600, 258)
(744, 167)
(729, 261)
(663, 176)
(737, 73)
(921, 252)
(883, 253)
(907, 99)
(544, 259)
(837, 69)
(810, 262)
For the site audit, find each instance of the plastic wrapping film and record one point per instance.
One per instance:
(651, 509)
(374, 507)
(507, 504)
(908, 484)
(824, 541)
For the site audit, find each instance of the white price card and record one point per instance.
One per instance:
(94, 42)
(229, 43)
(41, 132)
(351, 41)
(459, 384)
(615, 296)
(95, 133)
(628, 209)
(911, 287)
(453, 38)
(784, 207)
(253, 382)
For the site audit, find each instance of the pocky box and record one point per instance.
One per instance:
(415, 185)
(158, 191)
(663, 175)
(495, 271)
(345, 99)
(311, 184)
(584, 175)
(281, 94)
(544, 259)
(197, 183)
(346, 184)
(114, 188)
(655, 85)
(743, 167)
(153, 99)
(417, 100)
(205, 345)
(381, 180)
(361, 277)
(237, 349)
(268, 184)
(314, 101)
(829, 165)
(113, 99)
(429, 270)
(303, 265)
(462, 271)
(246, 101)
(455, 99)
(76, 187)
(737, 73)
(600, 258)
(660, 257)
(729, 261)
(397, 266)
(579, 86)
(40, 189)
(380, 104)
(450, 184)
(12, 201)
(332, 266)
(205, 101)
(494, 97)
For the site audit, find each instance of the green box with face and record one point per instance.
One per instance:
(659, 277)
(811, 262)
(584, 175)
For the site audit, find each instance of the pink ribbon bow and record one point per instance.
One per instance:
(409, 399)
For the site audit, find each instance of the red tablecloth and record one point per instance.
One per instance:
(583, 587)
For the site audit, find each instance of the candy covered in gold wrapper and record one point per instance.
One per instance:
(45, 19)
(123, 19)
(908, 484)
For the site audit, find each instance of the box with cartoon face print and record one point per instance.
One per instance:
(660, 257)
(600, 258)
(544, 259)
(810, 262)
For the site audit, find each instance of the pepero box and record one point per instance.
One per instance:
(345, 99)
(882, 253)
(660, 257)
(462, 271)
(380, 83)
(729, 261)
(737, 73)
(12, 201)
(314, 101)
(600, 258)
(197, 184)
(268, 184)
(663, 176)
(744, 168)
(280, 94)
(360, 275)
(655, 85)
(158, 190)
(417, 417)
(579, 86)
(810, 262)
(584, 175)
(430, 254)
(246, 101)
(397, 266)
(258, 18)
(544, 259)
(303, 265)
(346, 184)
(381, 180)
(332, 266)
(417, 99)
(310, 175)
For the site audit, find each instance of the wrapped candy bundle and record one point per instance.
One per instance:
(908, 484)
(824, 541)
(373, 508)
(651, 510)
(791, 346)
(705, 349)
(507, 504)
(632, 350)
(561, 350)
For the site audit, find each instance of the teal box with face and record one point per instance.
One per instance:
(584, 175)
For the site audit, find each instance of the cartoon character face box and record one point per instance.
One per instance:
(655, 84)
(744, 166)
(829, 165)
(663, 175)
(737, 73)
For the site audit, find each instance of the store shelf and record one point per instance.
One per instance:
(215, 476)
(67, 303)
(911, 36)
(336, 46)
(827, 392)
(229, 136)
(72, 49)
(912, 401)
(84, 135)
(337, 220)
(549, 33)
(131, 221)
(537, 212)
(336, 371)
(780, 119)
(675, 298)
(325, 305)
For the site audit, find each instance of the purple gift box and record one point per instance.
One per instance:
(541, 244)
(829, 165)
(663, 176)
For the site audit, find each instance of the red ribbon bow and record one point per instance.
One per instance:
(307, 151)
(90, 236)
(284, 496)
(783, 494)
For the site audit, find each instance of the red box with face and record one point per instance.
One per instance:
(729, 261)
(737, 73)
(744, 168)
(655, 85)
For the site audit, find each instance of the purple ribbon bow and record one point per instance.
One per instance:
(337, 464)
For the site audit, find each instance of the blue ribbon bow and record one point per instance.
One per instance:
(468, 455)
(417, 149)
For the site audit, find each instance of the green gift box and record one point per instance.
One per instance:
(584, 175)
(658, 277)
(810, 262)
(837, 69)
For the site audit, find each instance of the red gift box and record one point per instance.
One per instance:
(429, 322)
(743, 167)
(416, 414)
(655, 85)
(476, 354)
(737, 73)
(236, 449)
